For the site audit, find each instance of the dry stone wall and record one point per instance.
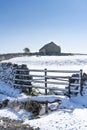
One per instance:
(7, 73)
(8, 70)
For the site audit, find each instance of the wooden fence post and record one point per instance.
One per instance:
(30, 88)
(45, 81)
(81, 83)
(69, 86)
(46, 105)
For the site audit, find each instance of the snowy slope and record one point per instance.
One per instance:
(53, 62)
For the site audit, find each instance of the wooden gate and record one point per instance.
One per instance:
(57, 81)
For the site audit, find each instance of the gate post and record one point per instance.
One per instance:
(69, 86)
(81, 82)
(45, 81)
(46, 105)
(29, 83)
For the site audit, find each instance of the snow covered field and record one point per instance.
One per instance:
(71, 114)
(76, 62)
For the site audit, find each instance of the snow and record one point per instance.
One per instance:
(8, 90)
(15, 115)
(49, 98)
(62, 120)
(75, 62)
(71, 113)
(10, 114)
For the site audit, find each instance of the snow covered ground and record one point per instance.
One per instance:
(76, 62)
(70, 115)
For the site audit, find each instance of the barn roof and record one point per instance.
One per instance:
(47, 45)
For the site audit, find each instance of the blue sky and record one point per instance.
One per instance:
(34, 23)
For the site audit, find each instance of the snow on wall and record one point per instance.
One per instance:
(6, 72)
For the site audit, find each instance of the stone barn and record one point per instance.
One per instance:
(50, 49)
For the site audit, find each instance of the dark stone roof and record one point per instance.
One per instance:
(49, 44)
